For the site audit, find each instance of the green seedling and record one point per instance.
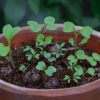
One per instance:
(22, 68)
(91, 71)
(71, 78)
(50, 70)
(80, 54)
(9, 32)
(49, 23)
(85, 32)
(49, 57)
(59, 50)
(31, 53)
(34, 26)
(42, 41)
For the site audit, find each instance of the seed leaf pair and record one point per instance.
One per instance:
(9, 32)
(50, 23)
(48, 70)
(41, 39)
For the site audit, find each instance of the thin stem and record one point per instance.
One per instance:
(10, 55)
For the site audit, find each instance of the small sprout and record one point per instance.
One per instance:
(80, 54)
(48, 39)
(91, 61)
(91, 71)
(47, 70)
(96, 56)
(50, 23)
(32, 54)
(85, 40)
(71, 41)
(79, 70)
(47, 55)
(9, 32)
(41, 65)
(42, 41)
(50, 70)
(86, 31)
(52, 59)
(34, 26)
(67, 77)
(22, 68)
(40, 38)
(4, 50)
(71, 78)
(69, 27)
(72, 59)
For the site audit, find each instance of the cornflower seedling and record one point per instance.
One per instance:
(59, 50)
(32, 54)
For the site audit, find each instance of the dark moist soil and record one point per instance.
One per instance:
(32, 78)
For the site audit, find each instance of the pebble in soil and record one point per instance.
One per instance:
(51, 83)
(32, 77)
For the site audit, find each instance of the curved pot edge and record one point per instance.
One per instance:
(52, 92)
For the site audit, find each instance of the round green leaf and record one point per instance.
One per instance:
(72, 59)
(79, 70)
(48, 39)
(49, 20)
(47, 55)
(69, 27)
(34, 26)
(86, 31)
(50, 70)
(80, 54)
(96, 56)
(91, 61)
(91, 71)
(41, 65)
(40, 38)
(4, 50)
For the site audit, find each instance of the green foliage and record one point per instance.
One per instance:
(44, 41)
(79, 70)
(71, 41)
(9, 32)
(34, 26)
(72, 59)
(41, 65)
(31, 53)
(91, 71)
(91, 61)
(50, 71)
(50, 23)
(80, 54)
(96, 56)
(72, 78)
(85, 40)
(4, 50)
(69, 27)
(22, 68)
(59, 50)
(86, 31)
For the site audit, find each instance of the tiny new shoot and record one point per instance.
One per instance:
(49, 71)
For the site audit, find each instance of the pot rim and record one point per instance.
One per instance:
(52, 92)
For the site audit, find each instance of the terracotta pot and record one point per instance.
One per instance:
(90, 91)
